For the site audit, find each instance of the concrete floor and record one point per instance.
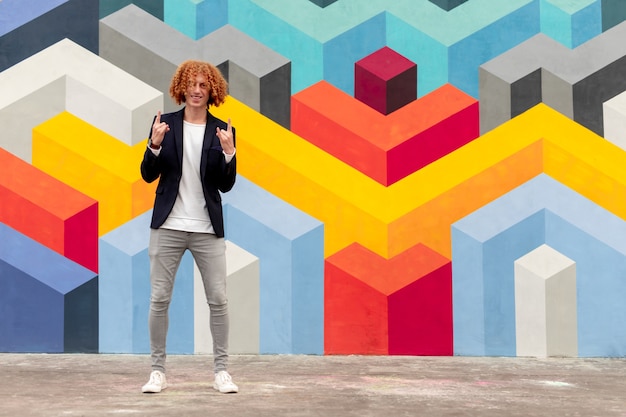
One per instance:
(109, 385)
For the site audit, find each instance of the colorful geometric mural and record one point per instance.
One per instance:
(416, 177)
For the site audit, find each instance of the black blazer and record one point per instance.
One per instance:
(215, 173)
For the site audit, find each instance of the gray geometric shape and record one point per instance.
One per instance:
(129, 39)
(558, 92)
(257, 76)
(527, 91)
(74, 19)
(18, 117)
(276, 98)
(151, 50)
(66, 76)
(615, 120)
(574, 82)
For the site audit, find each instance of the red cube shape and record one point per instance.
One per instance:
(48, 211)
(399, 306)
(385, 80)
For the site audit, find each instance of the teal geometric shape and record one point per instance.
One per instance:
(346, 49)
(196, 18)
(154, 7)
(474, 32)
(571, 22)
(613, 13)
(467, 54)
(299, 30)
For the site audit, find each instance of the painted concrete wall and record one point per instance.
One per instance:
(419, 177)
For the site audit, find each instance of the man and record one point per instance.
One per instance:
(192, 153)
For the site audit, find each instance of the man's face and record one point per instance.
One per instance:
(197, 94)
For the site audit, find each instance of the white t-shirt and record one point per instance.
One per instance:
(190, 212)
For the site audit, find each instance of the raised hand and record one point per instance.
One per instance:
(226, 138)
(159, 129)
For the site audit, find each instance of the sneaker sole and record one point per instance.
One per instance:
(152, 391)
(225, 392)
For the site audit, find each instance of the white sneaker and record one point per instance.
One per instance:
(156, 384)
(224, 383)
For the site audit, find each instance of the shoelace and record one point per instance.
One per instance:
(224, 377)
(155, 379)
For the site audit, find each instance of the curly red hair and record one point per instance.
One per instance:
(187, 72)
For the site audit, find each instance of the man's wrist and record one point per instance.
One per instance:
(229, 157)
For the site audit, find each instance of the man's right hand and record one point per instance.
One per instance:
(159, 129)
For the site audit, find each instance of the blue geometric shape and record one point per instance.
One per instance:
(48, 303)
(599, 257)
(483, 283)
(29, 26)
(290, 247)
(466, 55)
(15, 13)
(125, 293)
(486, 243)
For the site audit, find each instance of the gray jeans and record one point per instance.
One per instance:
(166, 251)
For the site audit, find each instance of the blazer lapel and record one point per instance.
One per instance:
(178, 135)
(209, 132)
